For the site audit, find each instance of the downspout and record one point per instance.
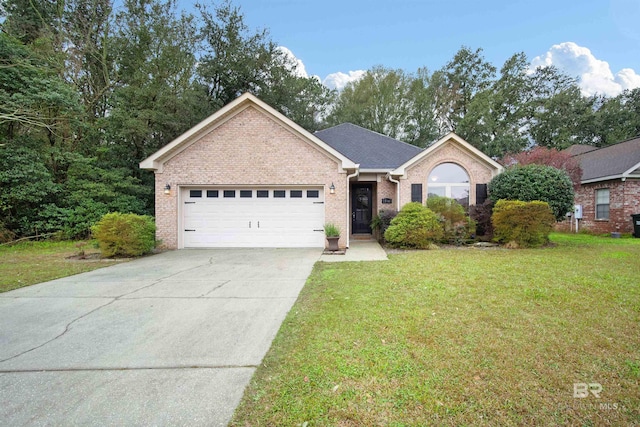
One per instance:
(353, 175)
(397, 182)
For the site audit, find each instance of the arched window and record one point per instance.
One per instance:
(449, 180)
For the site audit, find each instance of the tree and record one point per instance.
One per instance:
(496, 121)
(389, 102)
(89, 53)
(559, 111)
(535, 182)
(155, 99)
(617, 119)
(464, 76)
(33, 97)
(550, 157)
(29, 20)
(237, 60)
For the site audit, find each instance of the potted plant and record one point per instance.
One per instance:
(332, 232)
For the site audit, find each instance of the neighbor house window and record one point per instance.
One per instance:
(602, 203)
(449, 180)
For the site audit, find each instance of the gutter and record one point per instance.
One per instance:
(353, 175)
(397, 182)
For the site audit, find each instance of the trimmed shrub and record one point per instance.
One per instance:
(415, 226)
(535, 182)
(457, 226)
(126, 235)
(527, 224)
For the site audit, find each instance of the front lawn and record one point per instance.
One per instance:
(460, 337)
(28, 263)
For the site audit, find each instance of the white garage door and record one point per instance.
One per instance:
(259, 217)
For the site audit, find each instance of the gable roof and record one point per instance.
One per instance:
(370, 149)
(157, 159)
(497, 167)
(615, 161)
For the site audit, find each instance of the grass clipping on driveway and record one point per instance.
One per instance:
(460, 337)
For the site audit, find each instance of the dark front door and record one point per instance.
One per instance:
(361, 208)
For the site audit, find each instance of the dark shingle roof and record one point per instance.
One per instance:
(576, 149)
(612, 160)
(370, 149)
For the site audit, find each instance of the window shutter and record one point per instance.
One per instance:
(416, 193)
(481, 193)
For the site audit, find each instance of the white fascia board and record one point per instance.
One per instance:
(633, 168)
(157, 159)
(401, 170)
(375, 170)
(602, 178)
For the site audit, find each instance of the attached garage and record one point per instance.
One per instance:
(247, 176)
(252, 217)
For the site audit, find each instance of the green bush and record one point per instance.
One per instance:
(535, 182)
(415, 226)
(528, 224)
(125, 234)
(382, 221)
(457, 226)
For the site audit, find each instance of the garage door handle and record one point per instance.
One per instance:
(318, 203)
(258, 224)
(321, 229)
(189, 230)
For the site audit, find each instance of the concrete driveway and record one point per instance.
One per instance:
(171, 339)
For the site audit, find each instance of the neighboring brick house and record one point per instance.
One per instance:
(609, 191)
(247, 176)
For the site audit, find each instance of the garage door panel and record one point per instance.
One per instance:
(255, 221)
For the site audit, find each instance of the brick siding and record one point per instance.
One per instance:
(624, 200)
(249, 149)
(479, 172)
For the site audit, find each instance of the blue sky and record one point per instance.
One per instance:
(341, 36)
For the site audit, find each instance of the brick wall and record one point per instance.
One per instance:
(479, 172)
(624, 200)
(249, 149)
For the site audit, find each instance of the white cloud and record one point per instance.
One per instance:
(594, 75)
(297, 64)
(333, 81)
(339, 80)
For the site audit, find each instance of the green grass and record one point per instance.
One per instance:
(28, 263)
(460, 337)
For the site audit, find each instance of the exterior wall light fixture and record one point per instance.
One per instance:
(167, 189)
(332, 189)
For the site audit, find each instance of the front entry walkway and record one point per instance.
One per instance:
(360, 250)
